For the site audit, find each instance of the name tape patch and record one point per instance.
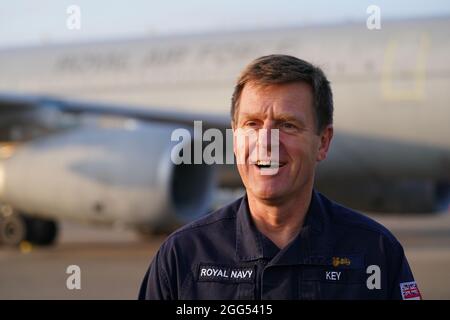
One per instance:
(208, 272)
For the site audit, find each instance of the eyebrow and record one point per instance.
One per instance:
(300, 120)
(251, 115)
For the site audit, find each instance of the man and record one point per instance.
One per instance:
(282, 240)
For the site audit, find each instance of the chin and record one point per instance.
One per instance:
(269, 194)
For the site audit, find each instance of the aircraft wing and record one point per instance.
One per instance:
(12, 106)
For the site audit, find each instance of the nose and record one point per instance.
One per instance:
(268, 138)
(264, 141)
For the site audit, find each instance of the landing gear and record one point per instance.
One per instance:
(41, 231)
(16, 227)
(13, 230)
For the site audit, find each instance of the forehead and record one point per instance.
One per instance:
(279, 99)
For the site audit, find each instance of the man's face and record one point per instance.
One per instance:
(288, 108)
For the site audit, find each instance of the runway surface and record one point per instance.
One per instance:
(113, 262)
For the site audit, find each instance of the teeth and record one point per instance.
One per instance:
(263, 163)
(267, 163)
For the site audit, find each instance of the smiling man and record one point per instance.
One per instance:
(288, 108)
(282, 240)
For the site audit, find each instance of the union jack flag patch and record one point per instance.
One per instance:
(410, 291)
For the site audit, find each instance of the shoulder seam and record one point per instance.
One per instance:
(379, 231)
(202, 225)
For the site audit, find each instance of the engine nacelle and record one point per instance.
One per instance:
(107, 175)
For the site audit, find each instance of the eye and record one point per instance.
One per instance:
(251, 124)
(288, 126)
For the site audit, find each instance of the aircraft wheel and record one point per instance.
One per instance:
(13, 230)
(41, 231)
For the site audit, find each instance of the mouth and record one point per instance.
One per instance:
(266, 164)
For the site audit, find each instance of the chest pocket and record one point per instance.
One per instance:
(337, 277)
(332, 283)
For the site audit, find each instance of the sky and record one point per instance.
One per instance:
(29, 23)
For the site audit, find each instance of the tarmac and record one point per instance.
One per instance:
(113, 262)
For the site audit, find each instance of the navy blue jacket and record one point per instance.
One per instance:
(339, 254)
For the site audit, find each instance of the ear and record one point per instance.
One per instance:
(325, 140)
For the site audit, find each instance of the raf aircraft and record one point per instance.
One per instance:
(85, 129)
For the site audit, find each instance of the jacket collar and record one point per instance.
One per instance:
(310, 246)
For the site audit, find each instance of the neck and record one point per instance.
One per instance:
(280, 222)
